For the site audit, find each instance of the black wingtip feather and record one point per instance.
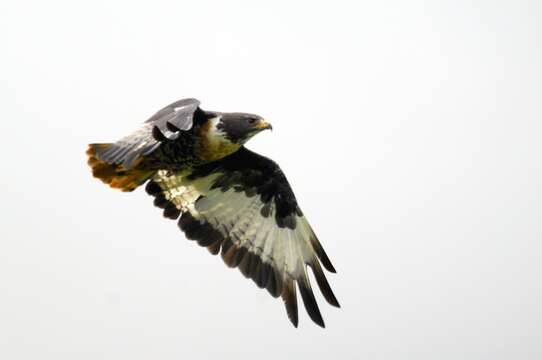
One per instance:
(324, 285)
(171, 211)
(187, 223)
(263, 275)
(272, 284)
(238, 256)
(310, 302)
(319, 250)
(214, 248)
(160, 201)
(257, 275)
(290, 301)
(254, 265)
(152, 188)
(244, 264)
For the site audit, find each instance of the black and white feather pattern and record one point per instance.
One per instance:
(169, 120)
(243, 207)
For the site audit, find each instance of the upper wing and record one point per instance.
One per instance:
(244, 207)
(172, 118)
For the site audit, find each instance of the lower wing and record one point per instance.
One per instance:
(243, 207)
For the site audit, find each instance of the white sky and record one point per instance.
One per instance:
(410, 132)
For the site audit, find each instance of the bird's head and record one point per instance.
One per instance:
(225, 133)
(240, 127)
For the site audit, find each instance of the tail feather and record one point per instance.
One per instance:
(114, 174)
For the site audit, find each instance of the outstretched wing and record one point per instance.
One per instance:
(243, 207)
(169, 120)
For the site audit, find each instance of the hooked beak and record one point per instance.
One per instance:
(263, 125)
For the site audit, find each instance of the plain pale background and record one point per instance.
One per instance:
(410, 131)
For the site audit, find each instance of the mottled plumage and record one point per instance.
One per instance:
(226, 198)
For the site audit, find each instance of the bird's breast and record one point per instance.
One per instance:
(212, 144)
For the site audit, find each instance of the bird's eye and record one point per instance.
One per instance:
(251, 120)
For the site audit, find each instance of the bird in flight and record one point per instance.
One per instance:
(226, 198)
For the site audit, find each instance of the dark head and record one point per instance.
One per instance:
(240, 127)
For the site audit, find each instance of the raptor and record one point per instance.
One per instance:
(225, 197)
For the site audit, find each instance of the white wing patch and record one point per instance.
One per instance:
(181, 192)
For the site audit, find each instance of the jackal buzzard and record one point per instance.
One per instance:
(226, 197)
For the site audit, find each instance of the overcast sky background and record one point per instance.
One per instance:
(410, 131)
